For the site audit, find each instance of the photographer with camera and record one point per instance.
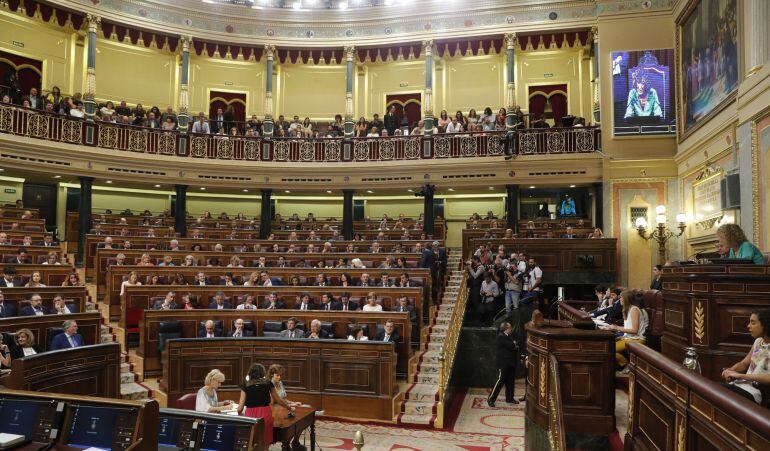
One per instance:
(533, 280)
(513, 284)
(475, 271)
(489, 291)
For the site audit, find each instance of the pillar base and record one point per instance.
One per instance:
(89, 105)
(182, 121)
(268, 127)
(349, 128)
(428, 126)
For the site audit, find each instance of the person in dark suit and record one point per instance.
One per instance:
(24, 344)
(35, 307)
(433, 257)
(167, 303)
(209, 331)
(60, 306)
(219, 302)
(507, 357)
(229, 118)
(570, 233)
(305, 303)
(614, 312)
(391, 120)
(218, 121)
(239, 331)
(35, 101)
(320, 281)
(346, 304)
(365, 281)
(316, 331)
(273, 302)
(69, 339)
(201, 280)
(657, 282)
(389, 333)
(403, 306)
(291, 330)
(22, 257)
(6, 310)
(405, 282)
(329, 303)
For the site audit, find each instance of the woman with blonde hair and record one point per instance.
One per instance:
(734, 242)
(206, 400)
(145, 260)
(24, 344)
(35, 280)
(635, 322)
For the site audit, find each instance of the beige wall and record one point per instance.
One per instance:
(11, 184)
(639, 32)
(197, 204)
(316, 91)
(471, 82)
(138, 201)
(214, 74)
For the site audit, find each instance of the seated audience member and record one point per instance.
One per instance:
(635, 322)
(69, 339)
(206, 400)
(52, 259)
(187, 302)
(5, 354)
(328, 303)
(602, 294)
(273, 302)
(201, 280)
(732, 238)
(597, 233)
(316, 331)
(275, 373)
(167, 303)
(268, 281)
(35, 280)
(657, 283)
(403, 306)
(219, 302)
(167, 261)
(365, 281)
(291, 330)
(258, 394)
(239, 331)
(145, 260)
(357, 334)
(346, 304)
(132, 281)
(253, 280)
(385, 281)
(570, 233)
(9, 278)
(750, 377)
(249, 303)
(611, 308)
(189, 260)
(201, 125)
(389, 333)
(6, 310)
(61, 307)
(24, 344)
(209, 330)
(371, 303)
(229, 280)
(320, 281)
(35, 307)
(73, 280)
(305, 303)
(405, 282)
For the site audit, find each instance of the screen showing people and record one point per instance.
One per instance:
(642, 92)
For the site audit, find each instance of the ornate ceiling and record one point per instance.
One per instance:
(318, 23)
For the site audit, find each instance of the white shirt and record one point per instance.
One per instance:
(454, 128)
(534, 274)
(370, 308)
(643, 321)
(245, 307)
(29, 351)
(126, 283)
(74, 112)
(64, 311)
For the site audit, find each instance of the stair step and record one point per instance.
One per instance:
(125, 367)
(416, 419)
(411, 407)
(422, 392)
(132, 390)
(128, 377)
(426, 378)
(429, 367)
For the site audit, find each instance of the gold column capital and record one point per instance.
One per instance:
(428, 46)
(269, 51)
(186, 42)
(511, 40)
(93, 22)
(350, 52)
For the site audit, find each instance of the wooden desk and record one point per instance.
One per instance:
(87, 371)
(707, 307)
(287, 430)
(673, 408)
(586, 366)
(72, 295)
(354, 379)
(89, 326)
(51, 275)
(190, 321)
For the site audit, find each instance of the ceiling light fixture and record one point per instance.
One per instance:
(57, 176)
(287, 192)
(203, 188)
(245, 191)
(531, 186)
(451, 189)
(329, 191)
(157, 186)
(108, 182)
(491, 188)
(410, 190)
(369, 191)
(572, 186)
(342, 5)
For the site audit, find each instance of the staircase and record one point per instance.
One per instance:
(130, 387)
(421, 400)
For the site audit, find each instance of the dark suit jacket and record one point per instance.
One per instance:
(246, 333)
(159, 304)
(8, 311)
(507, 350)
(369, 283)
(225, 305)
(202, 332)
(614, 313)
(321, 334)
(569, 235)
(410, 309)
(430, 258)
(215, 124)
(310, 306)
(657, 284)
(72, 308)
(29, 311)
(316, 284)
(39, 105)
(60, 341)
(278, 305)
(351, 305)
(16, 282)
(17, 352)
(391, 123)
(394, 337)
(334, 305)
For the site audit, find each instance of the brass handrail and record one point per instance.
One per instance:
(449, 349)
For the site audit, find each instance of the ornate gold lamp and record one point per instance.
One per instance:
(661, 234)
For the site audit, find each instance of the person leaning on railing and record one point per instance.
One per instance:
(750, 377)
(732, 239)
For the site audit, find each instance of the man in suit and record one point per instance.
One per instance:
(9, 278)
(507, 357)
(273, 302)
(218, 121)
(389, 334)
(229, 280)
(365, 281)
(209, 331)
(201, 126)
(403, 306)
(328, 303)
(346, 304)
(614, 312)
(405, 282)
(570, 233)
(22, 257)
(69, 339)
(391, 120)
(219, 302)
(375, 249)
(60, 307)
(291, 330)
(268, 281)
(305, 303)
(35, 102)
(316, 331)
(167, 303)
(48, 240)
(320, 281)
(6, 310)
(385, 281)
(239, 331)
(35, 307)
(200, 279)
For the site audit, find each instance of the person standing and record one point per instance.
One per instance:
(257, 396)
(507, 356)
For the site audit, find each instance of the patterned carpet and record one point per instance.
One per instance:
(478, 428)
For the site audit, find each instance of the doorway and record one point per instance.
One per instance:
(42, 197)
(408, 108)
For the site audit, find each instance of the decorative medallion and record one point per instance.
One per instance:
(270, 32)
(509, 19)
(280, 150)
(142, 12)
(468, 23)
(349, 33)
(198, 147)
(167, 143)
(137, 140)
(6, 119)
(427, 26)
(443, 149)
(555, 142)
(37, 126)
(584, 140)
(387, 149)
(251, 149)
(494, 145)
(332, 150)
(468, 146)
(310, 33)
(307, 151)
(108, 137)
(552, 15)
(229, 29)
(387, 30)
(224, 149)
(361, 150)
(527, 143)
(188, 22)
(72, 131)
(412, 149)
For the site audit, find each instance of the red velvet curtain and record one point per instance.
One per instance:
(409, 105)
(554, 95)
(218, 99)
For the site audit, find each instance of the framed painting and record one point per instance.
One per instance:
(709, 60)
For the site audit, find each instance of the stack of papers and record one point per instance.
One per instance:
(9, 440)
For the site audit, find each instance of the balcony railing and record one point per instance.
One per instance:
(15, 120)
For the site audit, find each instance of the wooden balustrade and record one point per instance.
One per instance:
(42, 327)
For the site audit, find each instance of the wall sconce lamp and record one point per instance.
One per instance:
(661, 234)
